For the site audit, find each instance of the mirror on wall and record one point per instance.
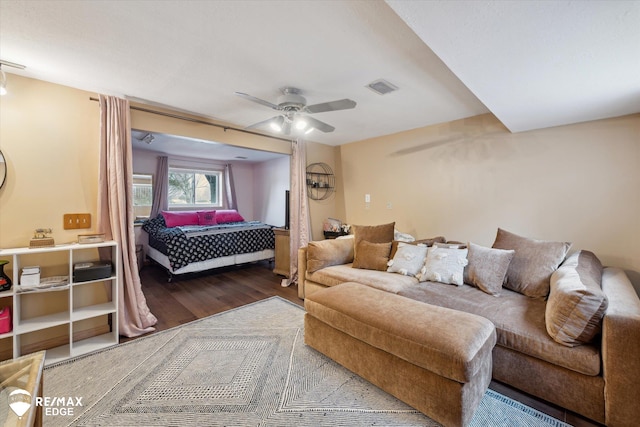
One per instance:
(3, 169)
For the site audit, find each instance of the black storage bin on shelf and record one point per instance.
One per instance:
(85, 271)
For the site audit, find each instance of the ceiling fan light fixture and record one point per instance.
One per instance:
(276, 124)
(308, 131)
(301, 124)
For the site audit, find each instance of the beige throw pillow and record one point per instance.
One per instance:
(576, 302)
(373, 233)
(533, 262)
(487, 268)
(445, 265)
(372, 256)
(325, 253)
(408, 259)
(426, 242)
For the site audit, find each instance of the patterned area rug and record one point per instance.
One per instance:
(243, 367)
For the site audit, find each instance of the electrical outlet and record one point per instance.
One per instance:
(389, 205)
(367, 198)
(75, 221)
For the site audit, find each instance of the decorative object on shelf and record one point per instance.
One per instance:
(333, 228)
(321, 181)
(40, 239)
(91, 238)
(5, 320)
(5, 280)
(3, 169)
(30, 276)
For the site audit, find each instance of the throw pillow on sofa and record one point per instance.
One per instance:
(532, 264)
(576, 302)
(408, 259)
(487, 268)
(372, 256)
(445, 265)
(325, 253)
(427, 242)
(373, 233)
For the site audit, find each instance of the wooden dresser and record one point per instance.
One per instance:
(281, 266)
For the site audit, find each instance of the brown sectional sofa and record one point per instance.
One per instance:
(600, 380)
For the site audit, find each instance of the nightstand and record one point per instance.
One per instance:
(282, 252)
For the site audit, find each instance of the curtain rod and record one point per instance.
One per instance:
(203, 122)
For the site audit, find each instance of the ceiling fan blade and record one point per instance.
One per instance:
(262, 123)
(258, 100)
(321, 126)
(341, 104)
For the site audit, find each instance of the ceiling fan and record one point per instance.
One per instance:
(294, 112)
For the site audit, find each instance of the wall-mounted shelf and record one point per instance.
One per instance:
(321, 181)
(61, 310)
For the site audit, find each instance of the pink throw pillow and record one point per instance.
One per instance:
(207, 218)
(177, 218)
(228, 215)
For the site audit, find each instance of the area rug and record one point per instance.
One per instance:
(244, 367)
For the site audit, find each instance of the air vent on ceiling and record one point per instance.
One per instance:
(382, 87)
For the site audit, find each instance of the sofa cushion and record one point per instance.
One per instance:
(576, 302)
(371, 256)
(323, 253)
(373, 233)
(487, 268)
(445, 265)
(519, 322)
(447, 342)
(408, 260)
(533, 262)
(336, 274)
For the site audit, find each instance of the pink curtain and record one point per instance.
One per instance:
(160, 187)
(115, 212)
(300, 227)
(229, 188)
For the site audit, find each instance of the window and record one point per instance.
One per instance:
(190, 188)
(142, 195)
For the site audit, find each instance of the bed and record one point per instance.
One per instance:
(188, 246)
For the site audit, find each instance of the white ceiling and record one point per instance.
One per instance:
(532, 64)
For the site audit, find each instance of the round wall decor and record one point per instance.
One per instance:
(321, 181)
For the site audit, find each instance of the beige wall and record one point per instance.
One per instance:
(49, 135)
(464, 179)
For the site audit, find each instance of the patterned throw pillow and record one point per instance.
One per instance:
(487, 268)
(444, 265)
(207, 218)
(532, 264)
(408, 259)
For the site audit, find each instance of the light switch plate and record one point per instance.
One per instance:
(75, 221)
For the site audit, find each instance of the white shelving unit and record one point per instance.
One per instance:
(72, 297)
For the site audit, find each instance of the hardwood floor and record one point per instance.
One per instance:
(199, 295)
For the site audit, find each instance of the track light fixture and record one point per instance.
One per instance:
(3, 76)
(3, 82)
